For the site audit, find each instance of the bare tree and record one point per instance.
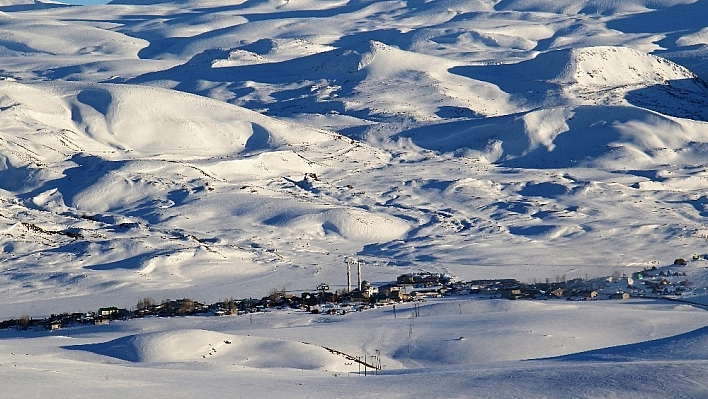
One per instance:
(276, 294)
(616, 274)
(145, 303)
(186, 306)
(167, 305)
(232, 306)
(25, 321)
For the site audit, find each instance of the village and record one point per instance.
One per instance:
(655, 282)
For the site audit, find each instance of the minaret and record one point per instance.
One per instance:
(349, 275)
(358, 263)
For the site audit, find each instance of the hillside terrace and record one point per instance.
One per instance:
(664, 282)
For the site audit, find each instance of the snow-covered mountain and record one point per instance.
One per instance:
(217, 148)
(416, 135)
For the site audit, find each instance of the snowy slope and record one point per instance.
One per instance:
(449, 133)
(452, 129)
(212, 149)
(130, 177)
(491, 348)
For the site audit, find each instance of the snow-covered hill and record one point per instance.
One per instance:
(212, 149)
(427, 135)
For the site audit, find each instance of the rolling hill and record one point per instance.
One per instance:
(209, 149)
(196, 141)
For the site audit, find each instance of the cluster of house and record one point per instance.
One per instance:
(650, 282)
(54, 322)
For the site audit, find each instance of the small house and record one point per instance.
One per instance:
(511, 293)
(54, 325)
(583, 295)
(394, 292)
(620, 295)
(106, 312)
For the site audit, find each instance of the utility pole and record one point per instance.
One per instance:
(410, 334)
